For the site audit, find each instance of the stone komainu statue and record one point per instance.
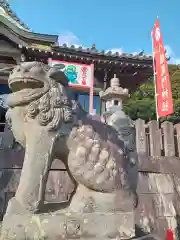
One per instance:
(47, 123)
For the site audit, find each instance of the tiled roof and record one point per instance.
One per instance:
(94, 51)
(5, 5)
(46, 39)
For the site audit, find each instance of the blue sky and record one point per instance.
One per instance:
(110, 24)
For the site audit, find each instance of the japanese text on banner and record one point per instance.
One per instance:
(163, 85)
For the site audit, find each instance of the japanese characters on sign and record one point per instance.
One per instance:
(78, 75)
(163, 85)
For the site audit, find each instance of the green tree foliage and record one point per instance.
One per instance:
(142, 101)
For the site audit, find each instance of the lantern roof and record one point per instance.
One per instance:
(114, 91)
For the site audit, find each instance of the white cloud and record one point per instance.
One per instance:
(69, 38)
(173, 57)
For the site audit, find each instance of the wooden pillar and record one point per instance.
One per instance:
(168, 130)
(105, 79)
(141, 143)
(155, 138)
(177, 127)
(103, 105)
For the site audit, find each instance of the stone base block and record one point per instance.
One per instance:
(61, 226)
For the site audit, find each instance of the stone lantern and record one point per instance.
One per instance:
(114, 116)
(113, 97)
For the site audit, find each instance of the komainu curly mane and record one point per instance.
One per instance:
(50, 110)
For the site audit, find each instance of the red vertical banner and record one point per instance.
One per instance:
(163, 84)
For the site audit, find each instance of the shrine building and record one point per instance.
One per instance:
(18, 43)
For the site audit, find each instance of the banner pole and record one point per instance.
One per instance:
(154, 76)
(91, 91)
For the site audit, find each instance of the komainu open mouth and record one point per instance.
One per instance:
(18, 84)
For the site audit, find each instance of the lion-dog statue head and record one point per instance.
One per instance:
(39, 97)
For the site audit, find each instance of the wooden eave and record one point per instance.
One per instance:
(124, 59)
(125, 66)
(93, 53)
(27, 35)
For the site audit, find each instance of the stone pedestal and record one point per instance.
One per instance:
(91, 226)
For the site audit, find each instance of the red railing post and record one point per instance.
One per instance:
(169, 235)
